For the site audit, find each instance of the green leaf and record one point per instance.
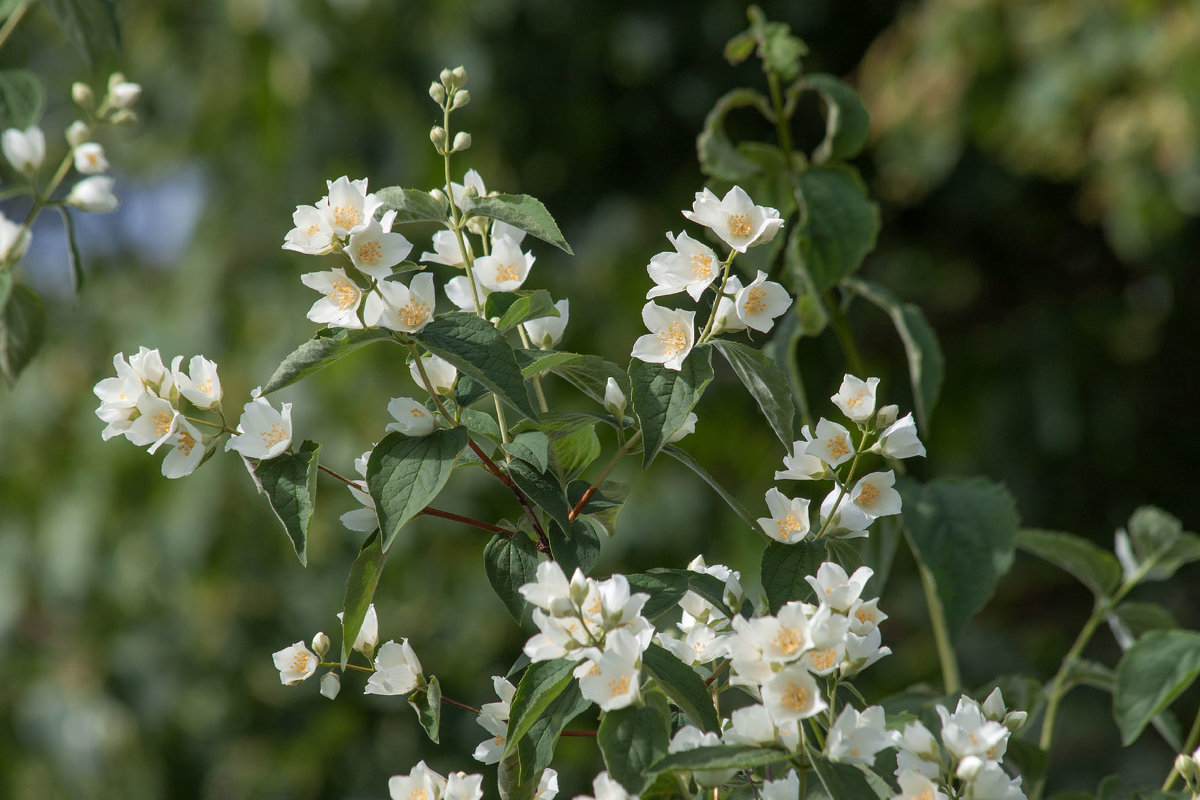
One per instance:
(531, 446)
(509, 783)
(766, 383)
(722, 756)
(1151, 675)
(1093, 567)
(590, 374)
(480, 352)
(839, 224)
(513, 310)
(543, 489)
(575, 448)
(520, 211)
(320, 351)
(784, 567)
(848, 781)
(510, 563)
(405, 474)
(662, 398)
(542, 682)
(480, 423)
(22, 330)
(21, 99)
(685, 458)
(926, 365)
(1141, 618)
(739, 48)
(963, 531)
(427, 702)
(412, 205)
(538, 362)
(360, 588)
(289, 482)
(90, 25)
(847, 124)
(718, 157)
(1090, 673)
(74, 260)
(666, 588)
(1158, 537)
(633, 738)
(536, 749)
(578, 548)
(685, 688)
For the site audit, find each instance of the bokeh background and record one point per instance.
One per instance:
(1038, 169)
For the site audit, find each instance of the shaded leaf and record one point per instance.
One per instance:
(320, 351)
(513, 309)
(718, 157)
(405, 474)
(531, 446)
(21, 99)
(633, 738)
(683, 686)
(575, 546)
(685, 458)
(1141, 618)
(360, 588)
(289, 482)
(766, 383)
(848, 781)
(662, 398)
(538, 362)
(724, 756)
(784, 567)
(22, 330)
(1094, 568)
(520, 211)
(589, 374)
(536, 749)
(543, 489)
(838, 227)
(90, 25)
(427, 702)
(413, 205)
(74, 260)
(847, 124)
(542, 682)
(510, 563)
(1151, 675)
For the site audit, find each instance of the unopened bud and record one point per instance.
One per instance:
(462, 140)
(993, 706)
(614, 399)
(969, 768)
(115, 79)
(468, 190)
(438, 194)
(461, 99)
(331, 684)
(460, 76)
(1186, 767)
(77, 133)
(83, 95)
(437, 92)
(320, 644)
(124, 94)
(1013, 720)
(123, 117)
(446, 77)
(437, 135)
(886, 416)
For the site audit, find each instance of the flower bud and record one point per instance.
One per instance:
(1013, 720)
(320, 644)
(886, 416)
(969, 768)
(437, 135)
(331, 684)
(461, 99)
(993, 706)
(93, 194)
(459, 74)
(83, 95)
(77, 133)
(1186, 767)
(437, 93)
(614, 399)
(462, 140)
(446, 77)
(438, 194)
(123, 94)
(115, 79)
(123, 117)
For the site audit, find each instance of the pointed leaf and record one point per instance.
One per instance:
(766, 383)
(360, 588)
(90, 25)
(320, 351)
(590, 374)
(1093, 567)
(662, 398)
(575, 546)
(21, 99)
(510, 563)
(538, 362)
(575, 448)
(847, 124)
(509, 783)
(412, 205)
(666, 588)
(513, 310)
(531, 446)
(405, 474)
(73, 258)
(427, 702)
(479, 351)
(685, 458)
(633, 738)
(543, 489)
(1141, 618)
(289, 482)
(683, 686)
(1151, 675)
(839, 225)
(520, 211)
(542, 682)
(849, 781)
(718, 157)
(536, 749)
(721, 756)
(784, 567)
(22, 329)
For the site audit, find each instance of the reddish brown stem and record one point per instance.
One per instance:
(543, 543)
(463, 706)
(583, 501)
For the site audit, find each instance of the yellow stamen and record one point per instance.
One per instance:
(868, 496)
(413, 314)
(702, 266)
(185, 442)
(788, 525)
(507, 272)
(739, 224)
(274, 436)
(674, 338)
(788, 641)
(347, 217)
(755, 304)
(162, 423)
(370, 252)
(823, 659)
(838, 446)
(300, 661)
(795, 697)
(619, 686)
(343, 294)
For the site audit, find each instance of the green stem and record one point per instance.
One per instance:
(537, 379)
(797, 380)
(336, 665)
(1189, 747)
(221, 428)
(712, 315)
(781, 127)
(13, 20)
(841, 329)
(843, 486)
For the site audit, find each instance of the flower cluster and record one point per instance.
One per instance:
(426, 784)
(694, 267)
(598, 623)
(856, 501)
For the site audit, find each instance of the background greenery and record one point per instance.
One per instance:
(1039, 175)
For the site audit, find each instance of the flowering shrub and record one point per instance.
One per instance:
(740, 695)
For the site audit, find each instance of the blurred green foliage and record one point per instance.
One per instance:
(1037, 166)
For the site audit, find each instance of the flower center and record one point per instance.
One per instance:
(346, 216)
(674, 338)
(755, 303)
(343, 294)
(857, 400)
(273, 436)
(370, 252)
(185, 442)
(795, 697)
(788, 641)
(418, 793)
(838, 446)
(739, 224)
(416, 412)
(702, 266)
(787, 526)
(618, 686)
(162, 423)
(864, 616)
(507, 272)
(823, 659)
(414, 313)
(300, 661)
(867, 497)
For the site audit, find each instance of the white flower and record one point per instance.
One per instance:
(374, 250)
(788, 522)
(397, 670)
(697, 609)
(837, 590)
(689, 737)
(368, 633)
(339, 307)
(350, 208)
(610, 678)
(874, 496)
(735, 218)
(856, 736)
(786, 788)
(828, 632)
(546, 332)
(490, 751)
(914, 786)
(865, 616)
(24, 149)
(831, 444)
(856, 398)
(77, 133)
(793, 694)
(686, 428)
(671, 337)
(863, 651)
(406, 309)
(187, 450)
(14, 240)
(420, 784)
(614, 399)
(700, 645)
(263, 432)
(461, 786)
(727, 318)
(991, 782)
(412, 418)
(551, 590)
(458, 291)
(446, 250)
(506, 268)
(157, 423)
(148, 365)
(967, 732)
(761, 302)
(607, 789)
(295, 663)
(547, 786)
(784, 637)
(331, 685)
(361, 519)
(123, 94)
(313, 234)
(89, 158)
(799, 465)
(750, 725)
(691, 268)
(118, 398)
(93, 194)
(900, 440)
(441, 373)
(848, 521)
(201, 385)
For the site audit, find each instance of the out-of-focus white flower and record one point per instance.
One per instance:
(506, 268)
(689, 737)
(397, 670)
(788, 522)
(89, 158)
(863, 651)
(691, 268)
(157, 423)
(406, 309)
(837, 590)
(687, 428)
(856, 398)
(412, 418)
(458, 291)
(735, 218)
(759, 303)
(350, 208)
(368, 633)
(727, 318)
(828, 632)
(295, 663)
(914, 786)
(445, 250)
(263, 432)
(461, 786)
(607, 789)
(546, 332)
(93, 194)
(865, 616)
(24, 149)
(614, 399)
(420, 784)
(787, 788)
(846, 520)
(831, 443)
(123, 94)
(856, 736)
(874, 496)
(77, 133)
(339, 307)
(441, 373)
(799, 465)
(967, 732)
(187, 450)
(313, 231)
(547, 785)
(118, 398)
(900, 440)
(700, 645)
(750, 725)
(493, 718)
(991, 782)
(374, 250)
(671, 337)
(14, 240)
(361, 519)
(793, 694)
(331, 685)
